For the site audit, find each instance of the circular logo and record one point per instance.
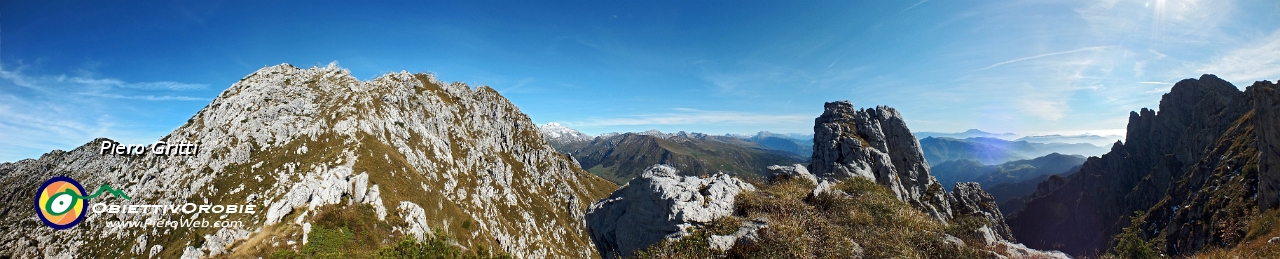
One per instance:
(60, 203)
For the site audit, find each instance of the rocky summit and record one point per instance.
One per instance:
(875, 144)
(1195, 173)
(310, 148)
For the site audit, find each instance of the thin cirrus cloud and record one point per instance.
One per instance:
(1042, 56)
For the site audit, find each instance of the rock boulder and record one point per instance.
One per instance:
(661, 204)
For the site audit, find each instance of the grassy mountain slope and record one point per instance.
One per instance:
(618, 158)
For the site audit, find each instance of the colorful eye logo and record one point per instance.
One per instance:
(60, 203)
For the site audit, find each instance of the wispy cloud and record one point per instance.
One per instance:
(913, 6)
(685, 116)
(1042, 56)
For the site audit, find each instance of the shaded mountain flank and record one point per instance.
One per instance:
(337, 168)
(1190, 177)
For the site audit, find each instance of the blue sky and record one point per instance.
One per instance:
(70, 72)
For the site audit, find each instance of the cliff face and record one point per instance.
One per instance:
(423, 154)
(1169, 161)
(1266, 102)
(876, 144)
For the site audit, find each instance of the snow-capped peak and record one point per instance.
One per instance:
(555, 132)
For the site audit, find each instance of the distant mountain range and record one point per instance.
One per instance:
(1101, 141)
(993, 151)
(971, 133)
(1096, 140)
(619, 157)
(1009, 180)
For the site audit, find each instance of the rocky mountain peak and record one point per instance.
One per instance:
(1169, 166)
(422, 153)
(875, 144)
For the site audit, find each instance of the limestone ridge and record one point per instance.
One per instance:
(425, 154)
(660, 204)
(1266, 101)
(876, 144)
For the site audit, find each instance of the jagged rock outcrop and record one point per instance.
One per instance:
(290, 141)
(875, 144)
(660, 204)
(1266, 102)
(968, 199)
(1184, 166)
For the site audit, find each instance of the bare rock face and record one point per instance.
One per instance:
(660, 204)
(1266, 102)
(969, 199)
(875, 144)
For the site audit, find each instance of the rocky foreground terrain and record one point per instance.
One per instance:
(869, 195)
(406, 152)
